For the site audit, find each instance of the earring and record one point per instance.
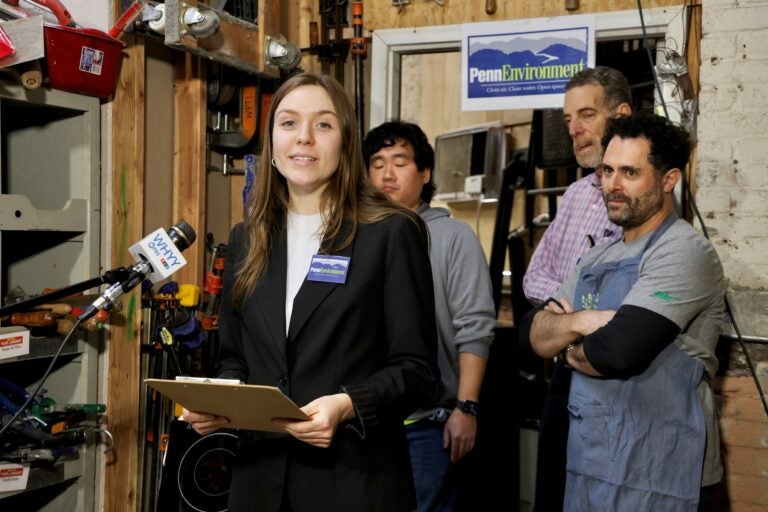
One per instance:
(274, 163)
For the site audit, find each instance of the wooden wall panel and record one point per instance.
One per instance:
(189, 160)
(440, 111)
(158, 195)
(127, 198)
(295, 18)
(236, 184)
(422, 13)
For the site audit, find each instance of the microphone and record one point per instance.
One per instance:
(157, 255)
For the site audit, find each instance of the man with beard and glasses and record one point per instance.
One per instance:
(592, 98)
(638, 320)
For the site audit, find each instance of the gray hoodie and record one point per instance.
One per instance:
(464, 307)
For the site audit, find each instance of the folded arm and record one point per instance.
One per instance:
(556, 326)
(627, 344)
(614, 345)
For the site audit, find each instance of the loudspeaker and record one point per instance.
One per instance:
(553, 147)
(197, 470)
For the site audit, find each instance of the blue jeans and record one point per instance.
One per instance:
(433, 474)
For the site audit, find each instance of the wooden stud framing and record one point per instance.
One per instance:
(127, 197)
(189, 160)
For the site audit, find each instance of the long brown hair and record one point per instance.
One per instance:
(349, 195)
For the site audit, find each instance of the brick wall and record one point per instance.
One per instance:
(732, 175)
(744, 432)
(732, 193)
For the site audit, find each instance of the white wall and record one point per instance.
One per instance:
(732, 173)
(91, 13)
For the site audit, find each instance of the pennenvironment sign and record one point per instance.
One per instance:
(523, 64)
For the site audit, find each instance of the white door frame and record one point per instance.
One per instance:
(391, 44)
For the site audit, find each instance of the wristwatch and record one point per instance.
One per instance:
(563, 356)
(467, 406)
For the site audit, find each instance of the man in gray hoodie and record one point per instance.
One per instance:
(400, 161)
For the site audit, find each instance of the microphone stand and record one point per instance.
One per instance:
(110, 277)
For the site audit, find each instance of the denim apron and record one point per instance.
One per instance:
(635, 444)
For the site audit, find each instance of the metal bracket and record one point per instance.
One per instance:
(233, 42)
(400, 4)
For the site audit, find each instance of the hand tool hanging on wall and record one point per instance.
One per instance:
(233, 102)
(237, 110)
(141, 17)
(47, 408)
(129, 16)
(359, 50)
(173, 347)
(31, 319)
(212, 286)
(332, 16)
(339, 46)
(323, 49)
(210, 314)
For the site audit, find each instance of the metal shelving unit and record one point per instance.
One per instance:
(49, 238)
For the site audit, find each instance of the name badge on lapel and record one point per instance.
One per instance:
(328, 269)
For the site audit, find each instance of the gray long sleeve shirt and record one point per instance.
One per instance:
(465, 312)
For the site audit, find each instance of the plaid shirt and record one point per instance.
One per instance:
(580, 215)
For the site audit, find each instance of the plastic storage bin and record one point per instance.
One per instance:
(82, 60)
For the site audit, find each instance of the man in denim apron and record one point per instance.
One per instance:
(638, 320)
(593, 96)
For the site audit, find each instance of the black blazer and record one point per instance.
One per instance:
(373, 337)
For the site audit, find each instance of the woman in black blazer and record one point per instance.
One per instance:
(352, 340)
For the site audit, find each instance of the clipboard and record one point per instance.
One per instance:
(247, 406)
